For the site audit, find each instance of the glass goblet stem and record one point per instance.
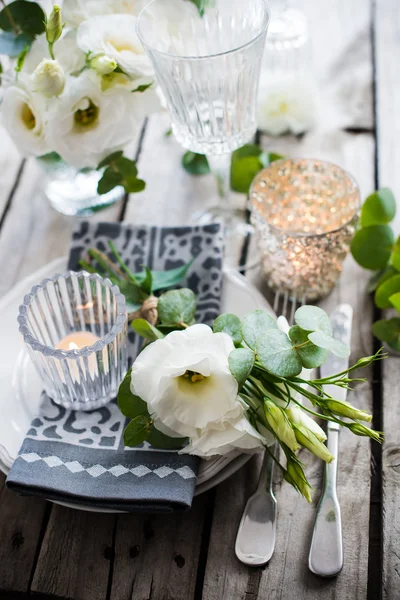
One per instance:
(220, 167)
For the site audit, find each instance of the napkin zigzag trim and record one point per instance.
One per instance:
(117, 470)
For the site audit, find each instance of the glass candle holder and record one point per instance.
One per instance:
(75, 329)
(304, 212)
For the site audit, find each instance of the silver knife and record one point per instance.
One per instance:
(326, 551)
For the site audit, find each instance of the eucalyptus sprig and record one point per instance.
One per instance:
(119, 170)
(20, 23)
(267, 365)
(138, 288)
(375, 248)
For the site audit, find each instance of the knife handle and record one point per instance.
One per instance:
(326, 551)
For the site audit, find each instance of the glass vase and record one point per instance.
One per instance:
(73, 192)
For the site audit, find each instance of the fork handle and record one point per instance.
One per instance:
(326, 551)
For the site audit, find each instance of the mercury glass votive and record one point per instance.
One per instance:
(75, 328)
(304, 212)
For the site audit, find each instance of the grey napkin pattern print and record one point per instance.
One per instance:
(79, 456)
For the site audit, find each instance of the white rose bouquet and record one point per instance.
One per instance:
(208, 391)
(81, 85)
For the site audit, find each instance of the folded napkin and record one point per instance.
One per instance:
(79, 457)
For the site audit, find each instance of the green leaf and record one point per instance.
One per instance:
(276, 353)
(146, 330)
(395, 301)
(395, 258)
(133, 293)
(380, 276)
(27, 17)
(243, 172)
(313, 318)
(168, 133)
(326, 341)
(379, 208)
(371, 246)
(170, 278)
(231, 325)
(241, 363)
(126, 166)
(12, 44)
(254, 324)
(202, 5)
(388, 330)
(133, 185)
(195, 164)
(21, 59)
(147, 282)
(129, 404)
(142, 88)
(177, 306)
(311, 356)
(109, 159)
(160, 440)
(137, 431)
(385, 290)
(109, 181)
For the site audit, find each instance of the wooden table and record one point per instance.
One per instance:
(57, 552)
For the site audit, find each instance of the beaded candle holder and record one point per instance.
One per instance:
(304, 212)
(75, 328)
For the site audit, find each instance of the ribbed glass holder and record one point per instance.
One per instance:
(82, 306)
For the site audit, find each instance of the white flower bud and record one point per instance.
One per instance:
(103, 64)
(49, 78)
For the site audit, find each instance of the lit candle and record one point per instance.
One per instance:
(76, 341)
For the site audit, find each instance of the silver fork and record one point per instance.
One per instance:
(255, 540)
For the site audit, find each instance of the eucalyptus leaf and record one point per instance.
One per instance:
(109, 181)
(129, 404)
(241, 363)
(379, 208)
(380, 276)
(177, 306)
(395, 301)
(159, 440)
(388, 330)
(109, 159)
(230, 324)
(276, 353)
(195, 164)
(243, 172)
(126, 166)
(313, 318)
(12, 45)
(255, 324)
(28, 17)
(372, 246)
(137, 431)
(326, 341)
(311, 356)
(385, 290)
(395, 258)
(146, 330)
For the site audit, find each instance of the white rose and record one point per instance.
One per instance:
(77, 11)
(66, 52)
(287, 103)
(190, 392)
(23, 117)
(85, 125)
(115, 36)
(48, 78)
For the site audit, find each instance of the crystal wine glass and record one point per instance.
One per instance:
(207, 56)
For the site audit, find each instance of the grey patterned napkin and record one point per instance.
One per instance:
(79, 457)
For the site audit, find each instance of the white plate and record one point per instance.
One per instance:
(21, 387)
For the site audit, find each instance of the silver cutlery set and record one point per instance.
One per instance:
(255, 541)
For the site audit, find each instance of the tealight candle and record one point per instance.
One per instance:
(77, 340)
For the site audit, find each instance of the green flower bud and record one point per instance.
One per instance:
(359, 429)
(298, 416)
(309, 440)
(294, 475)
(280, 424)
(54, 26)
(103, 64)
(345, 409)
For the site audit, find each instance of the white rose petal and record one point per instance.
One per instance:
(85, 125)
(115, 36)
(287, 104)
(66, 52)
(23, 117)
(48, 78)
(158, 377)
(77, 11)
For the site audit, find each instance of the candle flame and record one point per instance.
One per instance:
(73, 346)
(85, 306)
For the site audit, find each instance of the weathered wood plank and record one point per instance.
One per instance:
(20, 525)
(157, 556)
(75, 555)
(387, 47)
(11, 164)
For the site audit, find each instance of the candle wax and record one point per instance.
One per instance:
(77, 340)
